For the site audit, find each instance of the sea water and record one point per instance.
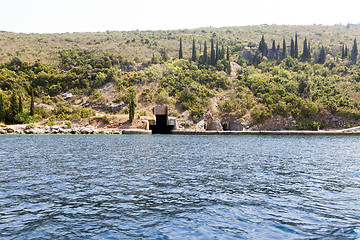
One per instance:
(179, 187)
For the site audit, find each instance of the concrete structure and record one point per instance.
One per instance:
(163, 124)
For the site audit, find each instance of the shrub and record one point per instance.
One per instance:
(68, 123)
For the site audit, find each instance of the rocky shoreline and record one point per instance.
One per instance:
(64, 129)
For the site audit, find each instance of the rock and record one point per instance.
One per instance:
(85, 130)
(202, 124)
(9, 130)
(214, 126)
(29, 131)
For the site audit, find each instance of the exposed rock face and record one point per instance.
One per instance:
(232, 123)
(214, 126)
(60, 130)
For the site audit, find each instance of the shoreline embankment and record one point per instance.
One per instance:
(108, 131)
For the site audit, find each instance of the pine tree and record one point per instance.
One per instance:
(180, 50)
(2, 113)
(292, 48)
(296, 51)
(32, 112)
(284, 50)
(193, 55)
(354, 52)
(263, 46)
(212, 54)
(205, 56)
(227, 54)
(132, 104)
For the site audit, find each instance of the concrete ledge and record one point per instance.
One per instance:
(320, 133)
(135, 131)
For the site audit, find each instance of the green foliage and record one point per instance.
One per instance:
(308, 125)
(68, 123)
(354, 52)
(132, 103)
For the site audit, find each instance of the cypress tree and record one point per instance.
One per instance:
(284, 50)
(13, 107)
(212, 54)
(273, 49)
(277, 51)
(217, 52)
(32, 112)
(222, 52)
(343, 51)
(309, 51)
(292, 48)
(205, 56)
(193, 55)
(132, 104)
(180, 50)
(354, 52)
(322, 55)
(227, 54)
(305, 55)
(296, 51)
(346, 51)
(263, 46)
(2, 113)
(20, 110)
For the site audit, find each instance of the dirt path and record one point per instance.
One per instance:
(234, 68)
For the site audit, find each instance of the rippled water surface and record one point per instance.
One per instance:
(179, 187)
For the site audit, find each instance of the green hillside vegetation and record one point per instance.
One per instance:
(316, 76)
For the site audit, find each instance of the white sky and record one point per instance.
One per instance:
(56, 16)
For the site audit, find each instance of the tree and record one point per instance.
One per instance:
(292, 48)
(222, 52)
(343, 51)
(217, 52)
(306, 51)
(273, 50)
(227, 54)
(354, 52)
(2, 113)
(296, 50)
(346, 51)
(32, 112)
(205, 56)
(20, 110)
(212, 54)
(193, 55)
(322, 55)
(132, 104)
(14, 107)
(263, 46)
(180, 50)
(284, 50)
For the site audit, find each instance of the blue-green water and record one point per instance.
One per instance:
(179, 187)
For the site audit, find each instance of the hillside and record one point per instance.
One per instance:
(73, 76)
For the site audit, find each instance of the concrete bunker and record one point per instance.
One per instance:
(162, 124)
